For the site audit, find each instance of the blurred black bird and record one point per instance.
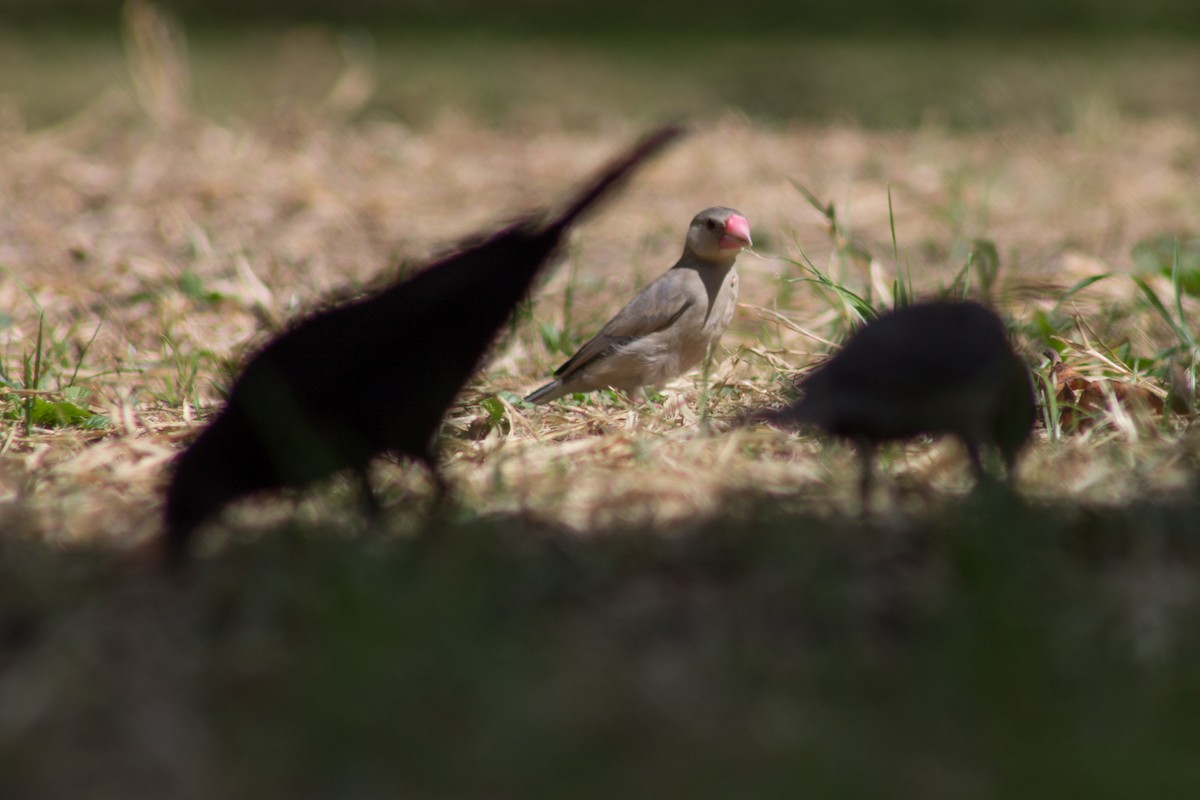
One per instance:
(929, 368)
(371, 376)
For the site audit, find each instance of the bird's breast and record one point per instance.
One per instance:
(721, 305)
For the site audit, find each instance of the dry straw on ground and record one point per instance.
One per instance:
(157, 244)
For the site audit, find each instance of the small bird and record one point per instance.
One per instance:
(934, 367)
(671, 324)
(371, 376)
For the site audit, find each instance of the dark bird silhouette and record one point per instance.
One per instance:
(372, 376)
(936, 367)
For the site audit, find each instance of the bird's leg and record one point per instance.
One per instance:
(981, 475)
(442, 491)
(432, 530)
(1010, 469)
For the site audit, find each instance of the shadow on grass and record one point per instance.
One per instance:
(995, 648)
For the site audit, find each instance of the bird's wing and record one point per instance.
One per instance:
(655, 308)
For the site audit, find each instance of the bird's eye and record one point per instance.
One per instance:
(711, 225)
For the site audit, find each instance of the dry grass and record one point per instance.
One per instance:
(178, 241)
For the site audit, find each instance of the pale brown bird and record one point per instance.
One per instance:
(671, 324)
(372, 376)
(936, 367)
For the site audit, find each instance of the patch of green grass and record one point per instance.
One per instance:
(46, 393)
(177, 382)
(192, 285)
(1174, 256)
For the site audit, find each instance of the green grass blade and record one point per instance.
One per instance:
(1050, 413)
(892, 224)
(33, 375)
(1183, 334)
(83, 352)
(1176, 285)
(1079, 286)
(861, 307)
(824, 210)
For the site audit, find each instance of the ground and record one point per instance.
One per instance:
(625, 599)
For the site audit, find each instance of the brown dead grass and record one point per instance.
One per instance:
(104, 213)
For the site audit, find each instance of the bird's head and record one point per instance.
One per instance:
(718, 233)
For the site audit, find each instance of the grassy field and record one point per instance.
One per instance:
(626, 600)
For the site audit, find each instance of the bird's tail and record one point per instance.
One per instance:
(616, 173)
(551, 391)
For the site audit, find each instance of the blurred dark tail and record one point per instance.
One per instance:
(616, 173)
(551, 391)
(792, 416)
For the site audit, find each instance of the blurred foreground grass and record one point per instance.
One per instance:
(997, 648)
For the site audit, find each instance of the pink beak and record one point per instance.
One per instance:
(737, 233)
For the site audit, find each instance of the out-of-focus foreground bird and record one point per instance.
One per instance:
(371, 376)
(670, 325)
(935, 367)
